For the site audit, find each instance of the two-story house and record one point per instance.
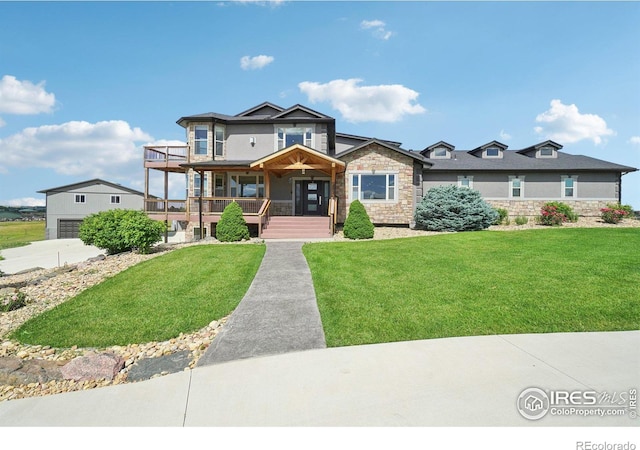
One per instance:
(295, 176)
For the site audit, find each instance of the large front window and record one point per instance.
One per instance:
(200, 140)
(295, 135)
(246, 186)
(368, 187)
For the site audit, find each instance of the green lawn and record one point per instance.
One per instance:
(17, 234)
(180, 292)
(477, 283)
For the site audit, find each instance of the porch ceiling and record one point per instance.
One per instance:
(297, 157)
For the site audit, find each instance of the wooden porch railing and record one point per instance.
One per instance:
(215, 205)
(333, 214)
(263, 215)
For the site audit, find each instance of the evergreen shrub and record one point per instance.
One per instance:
(454, 208)
(232, 226)
(358, 225)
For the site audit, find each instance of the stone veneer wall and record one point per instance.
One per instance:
(531, 208)
(281, 208)
(379, 158)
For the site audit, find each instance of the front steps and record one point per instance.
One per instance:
(290, 227)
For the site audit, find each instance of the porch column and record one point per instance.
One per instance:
(267, 184)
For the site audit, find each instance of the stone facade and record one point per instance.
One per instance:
(376, 158)
(531, 208)
(281, 208)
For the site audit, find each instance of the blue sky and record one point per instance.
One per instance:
(83, 86)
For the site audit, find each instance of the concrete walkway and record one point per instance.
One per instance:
(467, 381)
(278, 314)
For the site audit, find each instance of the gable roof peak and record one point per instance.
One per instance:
(262, 105)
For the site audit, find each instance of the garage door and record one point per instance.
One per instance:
(68, 229)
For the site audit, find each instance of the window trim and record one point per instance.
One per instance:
(359, 174)
(516, 177)
(80, 198)
(550, 155)
(465, 177)
(563, 186)
(117, 198)
(487, 155)
(196, 140)
(435, 156)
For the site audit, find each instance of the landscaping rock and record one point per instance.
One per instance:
(93, 367)
(147, 368)
(14, 371)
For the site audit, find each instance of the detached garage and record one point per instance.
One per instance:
(68, 205)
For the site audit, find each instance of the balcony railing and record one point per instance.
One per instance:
(215, 205)
(162, 206)
(165, 153)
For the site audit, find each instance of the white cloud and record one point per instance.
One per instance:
(26, 201)
(2, 122)
(24, 97)
(634, 140)
(383, 103)
(504, 135)
(108, 149)
(378, 28)
(565, 124)
(255, 62)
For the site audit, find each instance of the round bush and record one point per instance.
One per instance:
(453, 208)
(358, 224)
(121, 230)
(232, 226)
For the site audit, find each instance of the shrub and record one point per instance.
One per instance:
(522, 220)
(232, 226)
(120, 230)
(358, 225)
(453, 208)
(12, 299)
(566, 210)
(615, 212)
(550, 215)
(503, 217)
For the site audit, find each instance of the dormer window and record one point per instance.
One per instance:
(440, 152)
(546, 151)
(492, 152)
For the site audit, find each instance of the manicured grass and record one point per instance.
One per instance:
(477, 283)
(156, 300)
(17, 234)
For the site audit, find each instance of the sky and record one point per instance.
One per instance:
(85, 85)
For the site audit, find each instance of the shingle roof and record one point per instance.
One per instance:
(90, 183)
(512, 160)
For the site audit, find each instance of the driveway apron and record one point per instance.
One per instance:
(278, 314)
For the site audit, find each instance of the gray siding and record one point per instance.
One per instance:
(62, 206)
(537, 186)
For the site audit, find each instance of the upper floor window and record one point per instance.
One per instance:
(465, 181)
(493, 151)
(80, 198)
(368, 187)
(295, 135)
(115, 199)
(439, 152)
(219, 141)
(569, 186)
(200, 140)
(516, 186)
(546, 151)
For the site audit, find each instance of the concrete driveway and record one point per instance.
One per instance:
(47, 255)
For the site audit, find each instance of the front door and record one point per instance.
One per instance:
(313, 197)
